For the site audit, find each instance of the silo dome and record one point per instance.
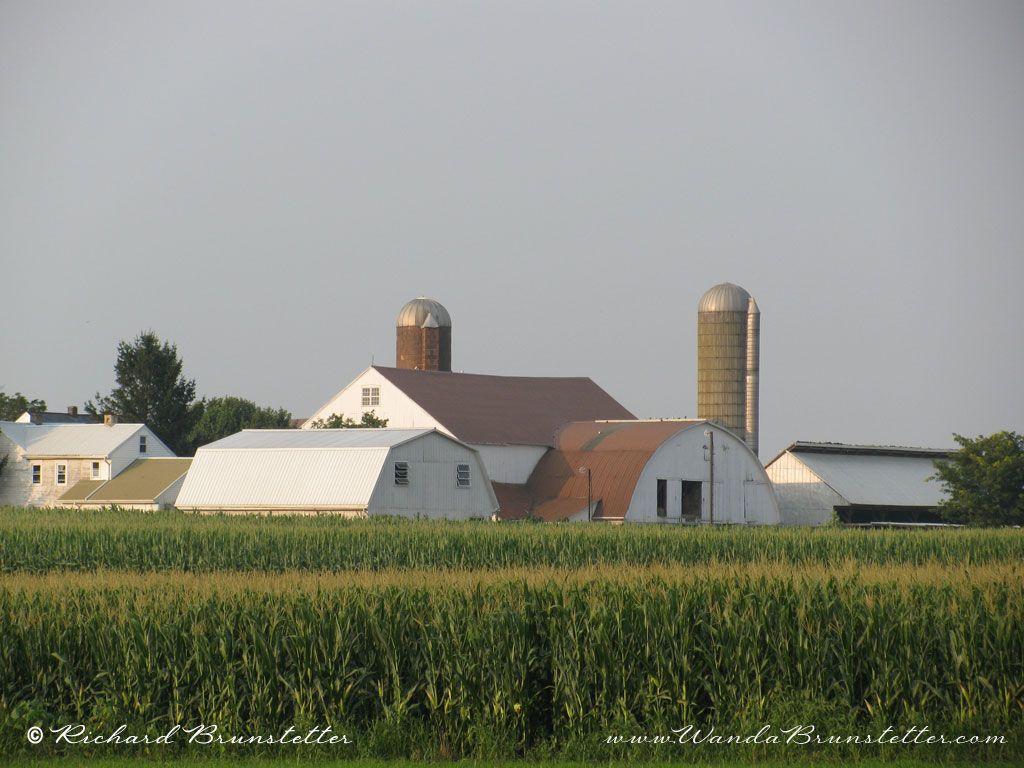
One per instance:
(416, 312)
(724, 297)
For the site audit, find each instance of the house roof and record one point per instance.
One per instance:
(615, 452)
(69, 439)
(80, 491)
(57, 417)
(142, 480)
(316, 438)
(504, 410)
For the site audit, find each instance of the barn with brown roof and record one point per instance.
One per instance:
(665, 471)
(510, 420)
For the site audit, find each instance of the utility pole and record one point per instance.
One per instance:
(711, 474)
(589, 493)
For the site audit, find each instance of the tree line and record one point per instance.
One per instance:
(150, 387)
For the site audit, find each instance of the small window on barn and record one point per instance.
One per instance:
(95, 470)
(662, 498)
(142, 443)
(401, 473)
(462, 475)
(37, 474)
(62, 474)
(371, 396)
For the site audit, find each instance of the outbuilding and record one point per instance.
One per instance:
(657, 471)
(349, 472)
(816, 483)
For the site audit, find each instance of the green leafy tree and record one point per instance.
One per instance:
(151, 389)
(338, 421)
(12, 406)
(984, 480)
(223, 416)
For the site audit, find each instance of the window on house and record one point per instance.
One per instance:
(142, 443)
(37, 474)
(401, 473)
(62, 474)
(662, 498)
(462, 476)
(371, 396)
(95, 470)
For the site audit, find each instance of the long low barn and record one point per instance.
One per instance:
(353, 472)
(816, 482)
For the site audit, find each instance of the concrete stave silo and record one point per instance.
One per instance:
(728, 360)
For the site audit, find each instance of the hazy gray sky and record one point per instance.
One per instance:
(267, 183)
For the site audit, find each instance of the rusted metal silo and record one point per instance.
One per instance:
(728, 360)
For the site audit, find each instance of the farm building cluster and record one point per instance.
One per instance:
(464, 446)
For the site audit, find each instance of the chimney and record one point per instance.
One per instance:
(109, 419)
(72, 410)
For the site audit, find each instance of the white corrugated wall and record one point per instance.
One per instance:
(432, 490)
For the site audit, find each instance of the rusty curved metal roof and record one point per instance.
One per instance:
(615, 453)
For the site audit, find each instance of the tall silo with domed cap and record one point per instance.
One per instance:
(424, 336)
(728, 360)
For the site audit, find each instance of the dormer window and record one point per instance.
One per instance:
(371, 396)
(142, 443)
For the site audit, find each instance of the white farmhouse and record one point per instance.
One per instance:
(44, 461)
(658, 471)
(349, 472)
(818, 482)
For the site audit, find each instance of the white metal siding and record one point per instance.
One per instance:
(432, 490)
(510, 463)
(803, 498)
(742, 491)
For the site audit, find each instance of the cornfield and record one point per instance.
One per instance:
(37, 540)
(471, 640)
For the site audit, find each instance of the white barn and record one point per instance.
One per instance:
(510, 420)
(817, 482)
(661, 471)
(349, 472)
(44, 461)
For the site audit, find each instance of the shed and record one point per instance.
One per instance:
(815, 482)
(351, 472)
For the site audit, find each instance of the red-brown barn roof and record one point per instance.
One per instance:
(504, 410)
